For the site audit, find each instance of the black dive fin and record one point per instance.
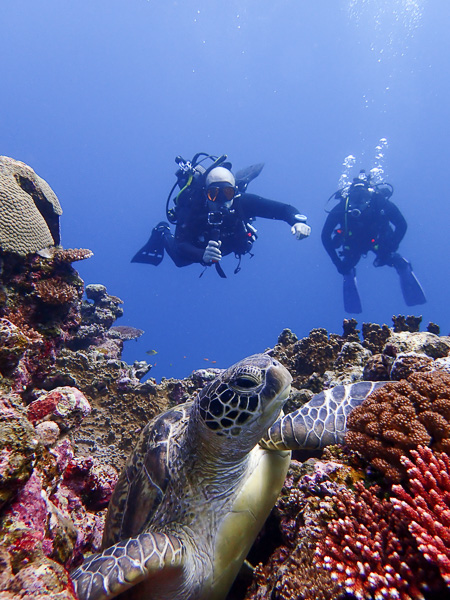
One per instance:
(352, 301)
(153, 251)
(244, 176)
(412, 291)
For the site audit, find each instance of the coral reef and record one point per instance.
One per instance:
(409, 323)
(398, 418)
(406, 363)
(427, 507)
(369, 551)
(29, 209)
(375, 336)
(420, 342)
(70, 409)
(298, 520)
(378, 368)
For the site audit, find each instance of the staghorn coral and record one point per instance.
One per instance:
(369, 551)
(398, 418)
(29, 209)
(427, 509)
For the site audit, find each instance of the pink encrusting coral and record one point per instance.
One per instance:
(428, 507)
(369, 550)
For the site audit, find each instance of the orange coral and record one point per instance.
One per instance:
(398, 418)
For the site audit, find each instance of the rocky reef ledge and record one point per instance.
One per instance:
(364, 520)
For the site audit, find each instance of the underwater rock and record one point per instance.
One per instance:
(18, 446)
(378, 368)
(406, 363)
(29, 209)
(13, 345)
(67, 406)
(419, 342)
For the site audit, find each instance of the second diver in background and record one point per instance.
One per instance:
(365, 220)
(213, 215)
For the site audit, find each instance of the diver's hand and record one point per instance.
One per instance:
(212, 252)
(300, 230)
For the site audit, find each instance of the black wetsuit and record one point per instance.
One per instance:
(193, 231)
(379, 228)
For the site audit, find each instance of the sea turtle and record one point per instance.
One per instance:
(201, 482)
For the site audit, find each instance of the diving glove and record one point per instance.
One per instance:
(300, 230)
(212, 252)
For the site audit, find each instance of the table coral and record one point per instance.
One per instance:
(29, 209)
(399, 417)
(427, 506)
(369, 551)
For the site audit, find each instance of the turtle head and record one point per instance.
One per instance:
(245, 400)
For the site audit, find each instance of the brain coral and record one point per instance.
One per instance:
(29, 209)
(399, 417)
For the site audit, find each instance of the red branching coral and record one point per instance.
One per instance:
(369, 550)
(428, 508)
(398, 418)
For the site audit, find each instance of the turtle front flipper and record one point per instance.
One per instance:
(320, 422)
(124, 565)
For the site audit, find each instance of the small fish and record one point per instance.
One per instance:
(214, 361)
(206, 359)
(151, 352)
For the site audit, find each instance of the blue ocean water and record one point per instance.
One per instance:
(99, 97)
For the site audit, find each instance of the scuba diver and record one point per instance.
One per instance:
(366, 220)
(213, 215)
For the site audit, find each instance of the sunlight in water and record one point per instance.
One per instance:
(407, 13)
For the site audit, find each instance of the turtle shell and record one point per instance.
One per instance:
(143, 482)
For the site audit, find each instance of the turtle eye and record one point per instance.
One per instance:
(245, 382)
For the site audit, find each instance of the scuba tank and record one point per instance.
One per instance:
(190, 176)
